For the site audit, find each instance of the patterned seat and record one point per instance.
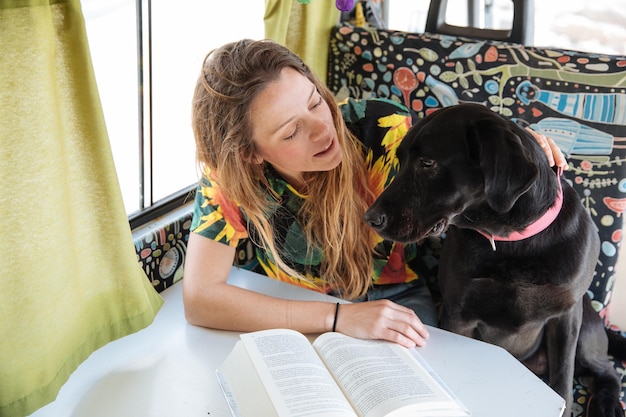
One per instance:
(578, 99)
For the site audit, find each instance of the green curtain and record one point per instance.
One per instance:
(303, 28)
(70, 278)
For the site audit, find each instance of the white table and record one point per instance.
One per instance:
(168, 369)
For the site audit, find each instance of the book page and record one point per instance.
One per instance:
(379, 377)
(294, 376)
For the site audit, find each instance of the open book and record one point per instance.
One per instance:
(280, 373)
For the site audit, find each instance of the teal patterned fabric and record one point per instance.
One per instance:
(578, 99)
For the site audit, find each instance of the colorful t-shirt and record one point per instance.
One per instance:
(380, 125)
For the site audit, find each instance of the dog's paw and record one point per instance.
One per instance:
(605, 404)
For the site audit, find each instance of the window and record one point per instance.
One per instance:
(182, 33)
(598, 26)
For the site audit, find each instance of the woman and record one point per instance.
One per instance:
(280, 166)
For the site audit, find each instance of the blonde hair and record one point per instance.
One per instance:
(332, 215)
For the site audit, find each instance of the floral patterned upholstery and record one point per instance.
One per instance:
(161, 246)
(578, 99)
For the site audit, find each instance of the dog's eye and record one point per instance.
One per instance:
(426, 163)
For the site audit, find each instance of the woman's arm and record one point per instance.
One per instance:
(211, 302)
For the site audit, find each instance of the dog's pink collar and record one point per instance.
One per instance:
(538, 226)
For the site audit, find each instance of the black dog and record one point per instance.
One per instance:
(486, 179)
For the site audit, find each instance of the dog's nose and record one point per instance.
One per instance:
(375, 220)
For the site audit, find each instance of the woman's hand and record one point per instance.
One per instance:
(382, 319)
(552, 151)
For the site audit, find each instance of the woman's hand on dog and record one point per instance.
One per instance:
(382, 319)
(552, 151)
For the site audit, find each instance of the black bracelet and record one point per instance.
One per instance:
(335, 321)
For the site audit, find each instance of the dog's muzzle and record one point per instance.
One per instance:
(376, 220)
(438, 228)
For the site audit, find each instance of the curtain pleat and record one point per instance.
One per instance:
(70, 279)
(303, 28)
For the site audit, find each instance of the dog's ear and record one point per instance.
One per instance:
(507, 168)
